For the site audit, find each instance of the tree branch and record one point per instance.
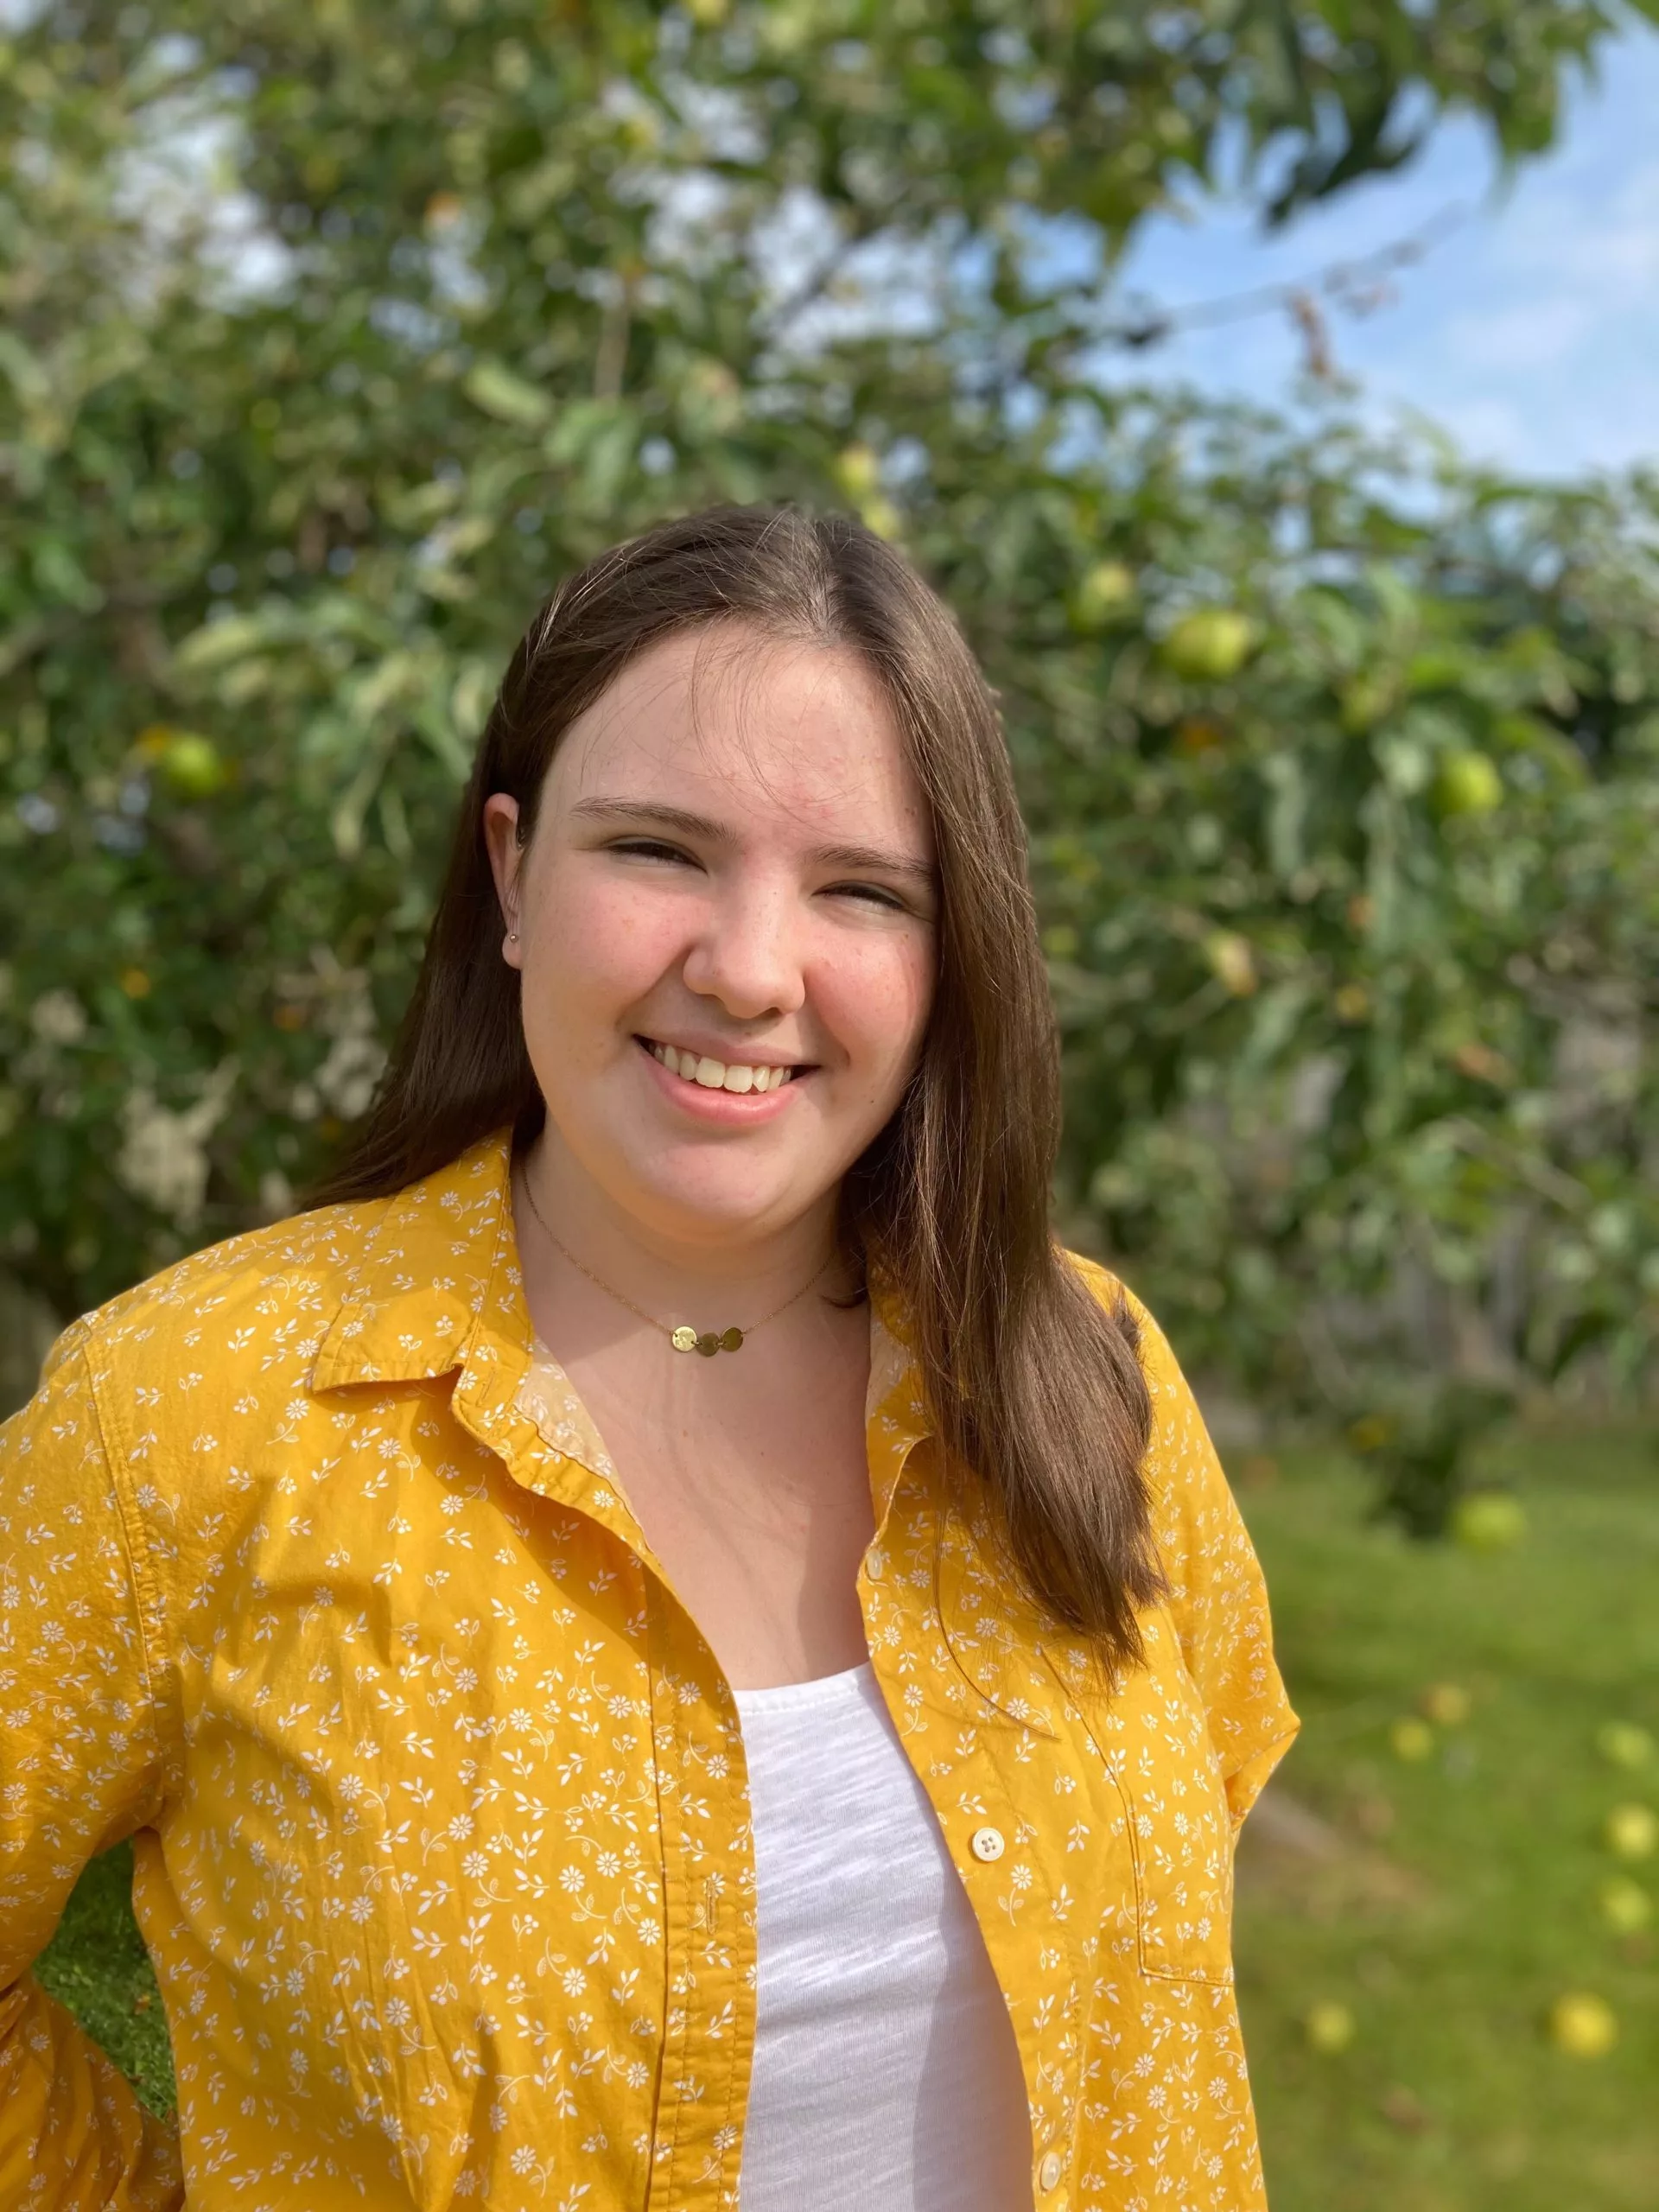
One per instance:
(1357, 284)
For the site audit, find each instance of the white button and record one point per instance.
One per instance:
(986, 1843)
(1049, 2172)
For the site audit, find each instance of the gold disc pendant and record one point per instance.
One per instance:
(686, 1338)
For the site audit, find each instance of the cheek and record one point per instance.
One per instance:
(595, 948)
(874, 999)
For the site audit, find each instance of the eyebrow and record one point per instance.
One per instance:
(648, 813)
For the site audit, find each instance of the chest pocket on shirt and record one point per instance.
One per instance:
(1154, 1739)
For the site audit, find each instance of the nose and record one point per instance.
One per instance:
(747, 953)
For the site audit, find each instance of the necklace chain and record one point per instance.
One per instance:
(683, 1336)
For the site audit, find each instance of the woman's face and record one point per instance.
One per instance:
(727, 931)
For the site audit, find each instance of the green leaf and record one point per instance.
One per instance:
(510, 399)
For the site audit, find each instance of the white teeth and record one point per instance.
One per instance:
(715, 1075)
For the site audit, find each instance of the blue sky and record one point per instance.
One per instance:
(1531, 333)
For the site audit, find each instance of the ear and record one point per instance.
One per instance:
(506, 861)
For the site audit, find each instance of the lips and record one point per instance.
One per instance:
(712, 1074)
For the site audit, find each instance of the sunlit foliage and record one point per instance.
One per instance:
(331, 334)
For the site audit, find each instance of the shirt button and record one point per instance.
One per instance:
(1049, 2172)
(986, 1844)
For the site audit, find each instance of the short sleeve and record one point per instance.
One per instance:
(1217, 1596)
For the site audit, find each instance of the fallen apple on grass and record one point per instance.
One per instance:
(1631, 1831)
(1411, 1739)
(1329, 2026)
(1621, 1743)
(1583, 2024)
(1625, 1905)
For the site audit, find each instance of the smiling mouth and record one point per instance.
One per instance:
(737, 1076)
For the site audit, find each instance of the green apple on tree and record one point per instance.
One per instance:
(1467, 783)
(1210, 644)
(193, 765)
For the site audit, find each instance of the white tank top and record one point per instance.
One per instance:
(886, 2074)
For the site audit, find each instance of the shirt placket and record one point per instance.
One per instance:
(531, 1418)
(709, 1917)
(976, 1714)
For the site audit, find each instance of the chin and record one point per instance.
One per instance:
(698, 1206)
(734, 1204)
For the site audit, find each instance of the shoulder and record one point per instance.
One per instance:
(1217, 1599)
(144, 1398)
(1182, 1471)
(269, 1291)
(1158, 1360)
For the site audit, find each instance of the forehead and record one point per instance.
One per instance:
(727, 719)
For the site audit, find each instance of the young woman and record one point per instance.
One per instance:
(665, 1641)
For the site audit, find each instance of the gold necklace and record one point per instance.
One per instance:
(683, 1337)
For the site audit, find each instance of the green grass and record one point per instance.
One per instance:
(1456, 1899)
(1448, 1903)
(97, 1965)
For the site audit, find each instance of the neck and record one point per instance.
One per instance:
(673, 1271)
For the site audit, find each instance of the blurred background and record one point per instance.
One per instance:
(1270, 388)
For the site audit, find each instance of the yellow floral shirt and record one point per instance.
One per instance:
(315, 1580)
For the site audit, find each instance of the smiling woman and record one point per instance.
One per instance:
(563, 1769)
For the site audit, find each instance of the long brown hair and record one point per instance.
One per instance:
(1032, 1385)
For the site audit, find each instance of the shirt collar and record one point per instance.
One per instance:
(436, 1286)
(437, 1271)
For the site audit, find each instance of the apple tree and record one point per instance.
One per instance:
(332, 334)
